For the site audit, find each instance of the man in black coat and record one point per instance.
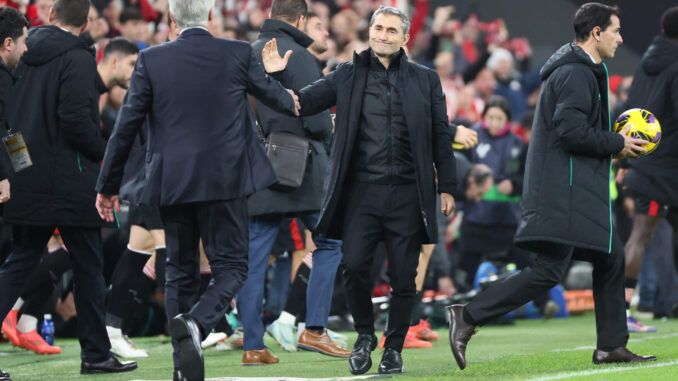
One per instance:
(391, 128)
(566, 209)
(54, 106)
(653, 180)
(203, 161)
(267, 207)
(13, 34)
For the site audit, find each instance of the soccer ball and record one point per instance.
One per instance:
(644, 125)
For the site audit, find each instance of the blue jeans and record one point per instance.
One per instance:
(278, 284)
(263, 231)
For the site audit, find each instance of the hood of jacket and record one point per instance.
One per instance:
(567, 54)
(276, 27)
(48, 42)
(659, 55)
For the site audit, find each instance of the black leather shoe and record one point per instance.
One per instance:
(460, 334)
(619, 354)
(186, 333)
(112, 365)
(360, 360)
(391, 362)
(4, 376)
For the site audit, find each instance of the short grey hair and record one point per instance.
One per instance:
(392, 11)
(191, 13)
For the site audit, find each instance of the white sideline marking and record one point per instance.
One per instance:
(636, 340)
(583, 373)
(373, 377)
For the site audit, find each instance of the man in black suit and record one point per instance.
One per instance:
(54, 106)
(391, 129)
(203, 160)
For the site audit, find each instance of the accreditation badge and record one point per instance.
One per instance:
(17, 150)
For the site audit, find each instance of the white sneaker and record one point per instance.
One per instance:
(121, 346)
(232, 342)
(212, 339)
(283, 334)
(339, 339)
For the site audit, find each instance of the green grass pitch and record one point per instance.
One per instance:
(528, 350)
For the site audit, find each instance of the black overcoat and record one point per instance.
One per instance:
(425, 114)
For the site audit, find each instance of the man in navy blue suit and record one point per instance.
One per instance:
(203, 160)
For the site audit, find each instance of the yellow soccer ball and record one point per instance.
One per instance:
(644, 125)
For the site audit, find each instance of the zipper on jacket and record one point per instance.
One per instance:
(79, 165)
(609, 129)
(570, 170)
(388, 126)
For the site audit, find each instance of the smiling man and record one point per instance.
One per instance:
(391, 128)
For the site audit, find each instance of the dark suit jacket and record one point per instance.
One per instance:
(202, 144)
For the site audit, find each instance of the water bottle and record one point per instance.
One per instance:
(47, 330)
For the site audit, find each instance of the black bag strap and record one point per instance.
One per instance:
(253, 105)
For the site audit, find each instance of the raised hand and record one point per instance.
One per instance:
(271, 58)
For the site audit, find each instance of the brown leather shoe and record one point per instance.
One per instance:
(321, 343)
(619, 354)
(259, 357)
(460, 334)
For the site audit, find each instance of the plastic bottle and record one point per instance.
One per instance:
(47, 330)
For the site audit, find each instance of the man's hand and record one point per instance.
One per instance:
(446, 203)
(297, 106)
(272, 60)
(4, 191)
(466, 137)
(99, 28)
(505, 187)
(106, 205)
(632, 147)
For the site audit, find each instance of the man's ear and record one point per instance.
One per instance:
(52, 14)
(114, 61)
(82, 28)
(7, 43)
(596, 33)
(406, 38)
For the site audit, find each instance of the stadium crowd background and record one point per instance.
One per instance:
(479, 49)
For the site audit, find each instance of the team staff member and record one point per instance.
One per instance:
(566, 193)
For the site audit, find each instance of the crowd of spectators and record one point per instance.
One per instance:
(476, 59)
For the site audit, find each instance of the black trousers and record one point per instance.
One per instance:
(222, 226)
(85, 249)
(550, 267)
(388, 213)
